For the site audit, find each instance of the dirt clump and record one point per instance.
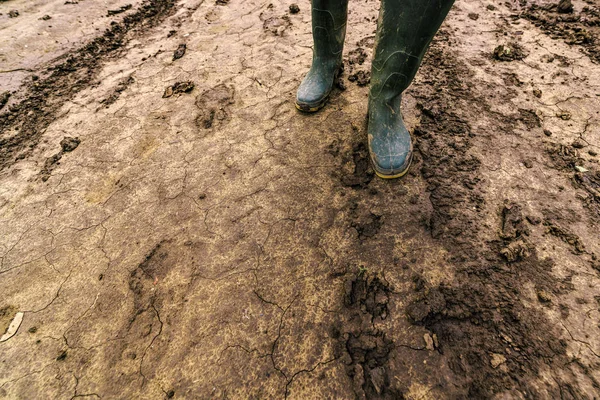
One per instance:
(67, 145)
(362, 78)
(294, 8)
(509, 52)
(357, 56)
(179, 52)
(4, 97)
(565, 7)
(178, 88)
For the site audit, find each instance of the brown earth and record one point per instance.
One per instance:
(172, 227)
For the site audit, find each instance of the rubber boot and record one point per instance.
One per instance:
(329, 30)
(405, 29)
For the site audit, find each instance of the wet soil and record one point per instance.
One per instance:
(173, 228)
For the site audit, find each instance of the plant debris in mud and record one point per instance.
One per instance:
(22, 126)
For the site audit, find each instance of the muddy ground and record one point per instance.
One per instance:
(171, 227)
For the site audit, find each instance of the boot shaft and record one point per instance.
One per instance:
(404, 31)
(329, 19)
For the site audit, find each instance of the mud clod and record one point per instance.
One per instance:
(357, 56)
(178, 88)
(180, 52)
(4, 96)
(509, 52)
(69, 143)
(565, 7)
(362, 78)
(294, 9)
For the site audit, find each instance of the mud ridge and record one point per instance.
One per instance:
(25, 122)
(493, 343)
(366, 299)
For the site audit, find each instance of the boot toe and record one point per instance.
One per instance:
(391, 157)
(312, 93)
(392, 166)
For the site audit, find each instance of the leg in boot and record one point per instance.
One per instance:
(329, 30)
(405, 29)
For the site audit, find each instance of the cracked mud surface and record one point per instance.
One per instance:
(216, 243)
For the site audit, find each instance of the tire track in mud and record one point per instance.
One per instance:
(23, 124)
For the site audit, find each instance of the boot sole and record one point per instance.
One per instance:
(310, 109)
(396, 176)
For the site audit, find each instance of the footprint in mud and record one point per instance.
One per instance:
(363, 174)
(214, 105)
(273, 23)
(367, 224)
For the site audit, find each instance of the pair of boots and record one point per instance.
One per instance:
(404, 30)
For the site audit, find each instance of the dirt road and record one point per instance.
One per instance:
(171, 227)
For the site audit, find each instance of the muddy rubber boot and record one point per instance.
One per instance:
(329, 30)
(404, 30)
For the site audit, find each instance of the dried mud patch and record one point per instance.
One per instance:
(24, 124)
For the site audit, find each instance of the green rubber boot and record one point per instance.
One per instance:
(329, 30)
(405, 29)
